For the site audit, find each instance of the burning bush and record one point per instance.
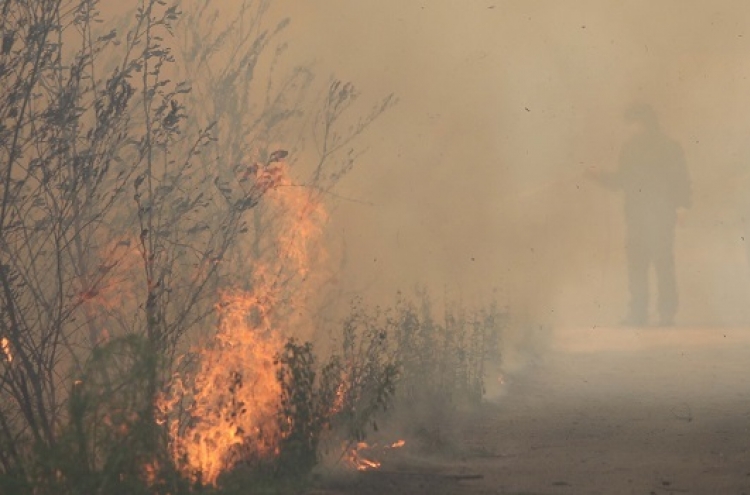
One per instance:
(343, 402)
(260, 405)
(252, 399)
(223, 412)
(131, 202)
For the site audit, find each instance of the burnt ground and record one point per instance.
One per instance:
(602, 411)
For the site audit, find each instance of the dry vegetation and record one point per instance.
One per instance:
(156, 234)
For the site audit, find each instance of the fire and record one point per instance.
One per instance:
(338, 402)
(234, 395)
(232, 398)
(362, 456)
(356, 457)
(5, 346)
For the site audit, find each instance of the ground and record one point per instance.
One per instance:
(598, 411)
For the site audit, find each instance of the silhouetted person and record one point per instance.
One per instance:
(653, 178)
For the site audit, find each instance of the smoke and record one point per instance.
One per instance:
(475, 184)
(477, 179)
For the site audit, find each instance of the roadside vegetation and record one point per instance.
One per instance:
(156, 231)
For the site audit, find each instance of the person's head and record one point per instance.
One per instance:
(643, 115)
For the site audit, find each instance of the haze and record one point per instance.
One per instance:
(580, 168)
(476, 180)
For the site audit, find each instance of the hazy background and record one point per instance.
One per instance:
(475, 181)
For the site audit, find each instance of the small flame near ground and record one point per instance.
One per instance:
(365, 457)
(227, 411)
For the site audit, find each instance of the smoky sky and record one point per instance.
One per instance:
(476, 180)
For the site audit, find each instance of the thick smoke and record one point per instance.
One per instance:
(477, 180)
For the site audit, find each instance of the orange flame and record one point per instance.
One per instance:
(362, 456)
(357, 459)
(233, 398)
(5, 346)
(338, 402)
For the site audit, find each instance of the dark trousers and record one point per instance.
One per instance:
(650, 245)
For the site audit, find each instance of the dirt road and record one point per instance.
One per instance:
(601, 411)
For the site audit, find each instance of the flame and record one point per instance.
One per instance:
(5, 347)
(356, 457)
(362, 456)
(232, 399)
(234, 396)
(339, 401)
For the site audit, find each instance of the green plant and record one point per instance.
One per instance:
(444, 361)
(371, 372)
(339, 401)
(306, 398)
